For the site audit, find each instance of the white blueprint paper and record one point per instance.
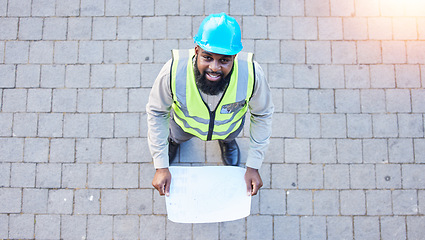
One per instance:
(207, 194)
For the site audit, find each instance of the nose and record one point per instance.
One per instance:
(215, 66)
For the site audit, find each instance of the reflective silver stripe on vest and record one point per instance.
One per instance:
(186, 125)
(181, 74)
(243, 76)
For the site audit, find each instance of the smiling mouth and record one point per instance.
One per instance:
(212, 76)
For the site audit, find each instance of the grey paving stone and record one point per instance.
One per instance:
(12, 149)
(310, 176)
(89, 100)
(64, 100)
(9, 28)
(375, 151)
(115, 52)
(415, 227)
(205, 231)
(115, 100)
(140, 51)
(307, 126)
(52, 76)
(39, 100)
(90, 52)
(411, 125)
(336, 176)
(68, 8)
(330, 29)
(128, 75)
(179, 27)
(104, 28)
(30, 28)
(293, 51)
(282, 25)
(48, 175)
(139, 201)
(62, 150)
(287, 121)
(50, 125)
(73, 226)
(129, 28)
(347, 101)
(398, 101)
(114, 150)
(259, 226)
(299, 202)
(137, 99)
(331, 76)
(305, 28)
(372, 100)
(55, 28)
(313, 227)
(16, 52)
(418, 96)
(34, 201)
(158, 204)
(400, 150)
(154, 27)
(65, 52)
(306, 76)
(359, 126)
(79, 28)
(114, 202)
(6, 120)
(22, 175)
(339, 227)
(421, 201)
(74, 175)
(36, 150)
(284, 176)
(60, 201)
(4, 174)
(77, 76)
(326, 203)
(126, 176)
(152, 227)
(272, 201)
(382, 76)
(286, 227)
(318, 52)
(88, 150)
(388, 176)
(385, 125)
(276, 151)
(7, 76)
(366, 227)
(142, 8)
(75, 125)
(321, 101)
(233, 229)
(47, 226)
(369, 52)
(393, 227)
(405, 202)
(148, 71)
(101, 125)
(11, 199)
(323, 151)
(25, 124)
(353, 202)
(99, 227)
(28, 76)
(419, 145)
(160, 49)
(92, 8)
(349, 151)
(102, 76)
(379, 202)
(43, 8)
(4, 225)
(362, 176)
(99, 176)
(126, 227)
(413, 176)
(114, 8)
(407, 76)
(297, 151)
(263, 46)
(41, 52)
(87, 201)
(137, 151)
(333, 126)
(21, 226)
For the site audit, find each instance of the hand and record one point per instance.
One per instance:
(162, 180)
(253, 181)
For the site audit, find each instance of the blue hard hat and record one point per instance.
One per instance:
(219, 33)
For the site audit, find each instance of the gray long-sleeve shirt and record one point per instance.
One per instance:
(159, 107)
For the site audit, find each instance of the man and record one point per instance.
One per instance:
(205, 92)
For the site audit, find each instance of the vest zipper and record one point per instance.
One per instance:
(211, 125)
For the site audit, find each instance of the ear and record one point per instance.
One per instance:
(196, 50)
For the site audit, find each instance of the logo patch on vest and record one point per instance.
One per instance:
(232, 107)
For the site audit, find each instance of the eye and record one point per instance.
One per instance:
(208, 58)
(225, 60)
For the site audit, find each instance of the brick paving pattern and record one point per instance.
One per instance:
(347, 154)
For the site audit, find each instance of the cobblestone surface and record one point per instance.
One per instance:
(347, 154)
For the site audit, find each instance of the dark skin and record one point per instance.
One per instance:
(216, 67)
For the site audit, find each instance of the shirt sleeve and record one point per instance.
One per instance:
(261, 109)
(158, 111)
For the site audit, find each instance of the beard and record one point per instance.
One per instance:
(207, 86)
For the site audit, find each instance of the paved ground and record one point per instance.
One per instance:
(347, 156)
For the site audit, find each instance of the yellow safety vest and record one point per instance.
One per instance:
(193, 115)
